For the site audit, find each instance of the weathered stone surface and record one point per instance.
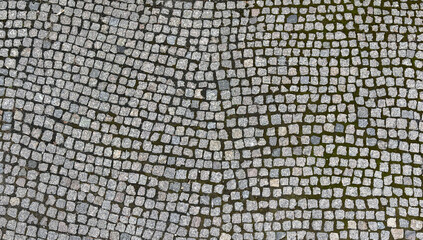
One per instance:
(159, 119)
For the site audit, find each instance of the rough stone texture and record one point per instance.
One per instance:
(152, 119)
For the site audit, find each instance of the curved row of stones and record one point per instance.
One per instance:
(284, 119)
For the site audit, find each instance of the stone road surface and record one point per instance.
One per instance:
(160, 119)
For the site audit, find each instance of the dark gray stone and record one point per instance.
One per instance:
(121, 49)
(315, 140)
(339, 128)
(292, 18)
(114, 21)
(223, 84)
(125, 236)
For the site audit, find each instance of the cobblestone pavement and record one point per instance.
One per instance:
(276, 119)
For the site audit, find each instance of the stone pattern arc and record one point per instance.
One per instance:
(142, 119)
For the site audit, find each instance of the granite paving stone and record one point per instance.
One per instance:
(211, 119)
